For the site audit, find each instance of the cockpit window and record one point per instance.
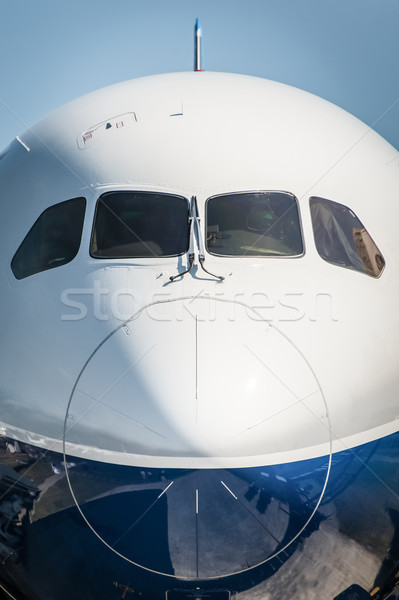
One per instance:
(253, 224)
(140, 225)
(341, 239)
(53, 240)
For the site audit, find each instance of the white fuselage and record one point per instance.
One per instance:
(286, 359)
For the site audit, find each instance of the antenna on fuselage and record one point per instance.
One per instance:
(197, 46)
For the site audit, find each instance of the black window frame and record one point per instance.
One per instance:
(57, 262)
(350, 246)
(144, 192)
(256, 256)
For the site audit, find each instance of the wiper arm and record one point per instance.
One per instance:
(194, 219)
(201, 249)
(190, 250)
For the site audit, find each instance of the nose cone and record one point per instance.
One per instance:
(198, 382)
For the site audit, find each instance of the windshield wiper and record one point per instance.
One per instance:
(201, 249)
(190, 250)
(195, 220)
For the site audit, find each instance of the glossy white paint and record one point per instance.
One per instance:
(285, 360)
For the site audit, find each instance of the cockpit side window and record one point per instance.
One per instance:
(53, 240)
(140, 225)
(253, 224)
(341, 238)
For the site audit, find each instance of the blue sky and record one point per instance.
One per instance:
(346, 51)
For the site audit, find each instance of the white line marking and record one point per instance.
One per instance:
(165, 490)
(22, 144)
(229, 490)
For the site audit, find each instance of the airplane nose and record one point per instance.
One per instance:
(200, 380)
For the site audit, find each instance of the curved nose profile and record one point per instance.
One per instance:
(176, 382)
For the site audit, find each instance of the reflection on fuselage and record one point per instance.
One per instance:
(197, 519)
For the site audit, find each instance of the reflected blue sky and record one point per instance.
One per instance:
(55, 50)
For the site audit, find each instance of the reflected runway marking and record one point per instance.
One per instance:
(229, 490)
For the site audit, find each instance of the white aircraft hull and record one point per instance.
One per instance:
(175, 427)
